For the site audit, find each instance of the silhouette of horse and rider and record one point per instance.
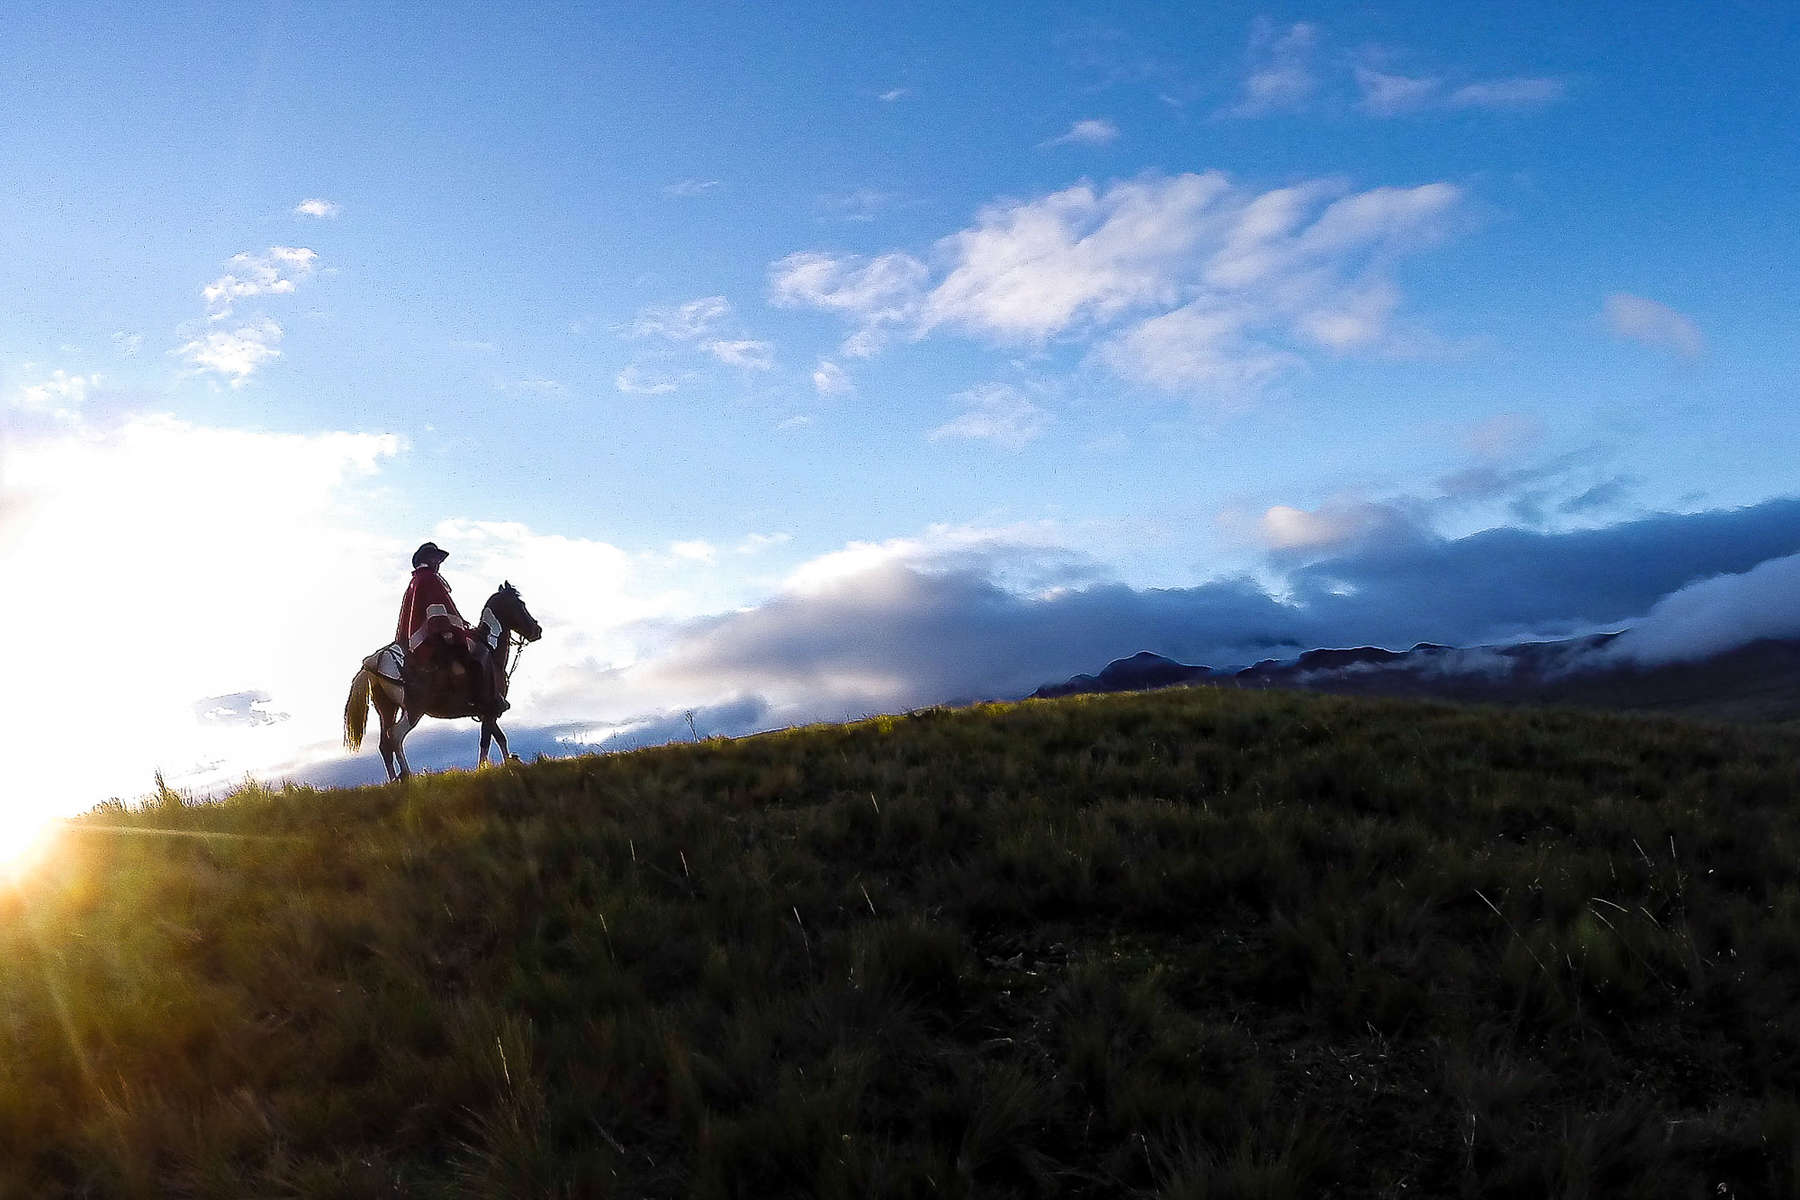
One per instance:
(438, 665)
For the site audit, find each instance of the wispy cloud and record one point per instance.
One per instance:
(276, 272)
(638, 380)
(829, 379)
(693, 187)
(998, 413)
(680, 323)
(861, 204)
(1503, 435)
(1281, 75)
(539, 387)
(877, 293)
(1653, 324)
(746, 353)
(60, 394)
(893, 94)
(1185, 283)
(756, 543)
(315, 207)
(235, 355)
(1092, 132)
(1515, 93)
(1385, 94)
(1389, 94)
(128, 342)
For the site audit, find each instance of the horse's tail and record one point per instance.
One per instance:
(356, 711)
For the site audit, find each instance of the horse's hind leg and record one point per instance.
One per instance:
(386, 710)
(403, 727)
(500, 736)
(488, 730)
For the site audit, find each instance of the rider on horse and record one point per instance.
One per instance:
(433, 634)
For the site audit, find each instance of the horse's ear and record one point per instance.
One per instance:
(506, 585)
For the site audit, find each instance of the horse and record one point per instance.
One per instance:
(402, 699)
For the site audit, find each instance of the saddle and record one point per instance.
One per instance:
(433, 672)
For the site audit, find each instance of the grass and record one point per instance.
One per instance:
(1197, 943)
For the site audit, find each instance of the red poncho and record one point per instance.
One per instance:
(427, 612)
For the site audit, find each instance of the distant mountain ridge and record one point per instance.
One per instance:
(1759, 681)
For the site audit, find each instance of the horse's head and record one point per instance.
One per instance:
(513, 614)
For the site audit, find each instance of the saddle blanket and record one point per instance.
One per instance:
(389, 662)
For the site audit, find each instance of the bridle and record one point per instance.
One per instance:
(517, 642)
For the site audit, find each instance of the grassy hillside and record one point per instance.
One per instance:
(1195, 943)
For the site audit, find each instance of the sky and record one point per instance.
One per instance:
(804, 361)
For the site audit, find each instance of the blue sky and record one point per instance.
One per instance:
(685, 314)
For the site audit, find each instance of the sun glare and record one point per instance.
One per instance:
(26, 841)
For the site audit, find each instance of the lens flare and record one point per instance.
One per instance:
(27, 839)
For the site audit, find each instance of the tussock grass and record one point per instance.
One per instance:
(1196, 943)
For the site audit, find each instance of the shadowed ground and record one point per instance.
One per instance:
(1195, 943)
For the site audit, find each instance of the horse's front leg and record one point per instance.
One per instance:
(488, 730)
(500, 736)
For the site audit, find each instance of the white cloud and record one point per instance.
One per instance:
(1281, 77)
(1331, 526)
(1653, 324)
(829, 379)
(941, 547)
(1030, 270)
(695, 551)
(276, 272)
(1188, 282)
(317, 208)
(237, 354)
(1515, 93)
(1092, 132)
(884, 289)
(693, 187)
(1203, 346)
(893, 94)
(639, 381)
(998, 413)
(756, 543)
(1717, 614)
(60, 394)
(1386, 94)
(1389, 95)
(128, 343)
(750, 355)
(864, 343)
(1353, 318)
(540, 387)
(682, 323)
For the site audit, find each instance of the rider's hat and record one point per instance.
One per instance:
(429, 553)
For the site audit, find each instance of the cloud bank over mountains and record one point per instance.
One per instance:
(961, 617)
